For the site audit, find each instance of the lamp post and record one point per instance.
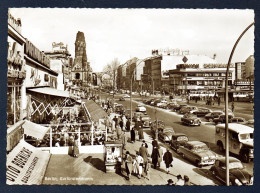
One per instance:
(131, 85)
(226, 103)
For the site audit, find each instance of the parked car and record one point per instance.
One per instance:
(222, 119)
(122, 99)
(156, 102)
(201, 111)
(125, 96)
(239, 120)
(150, 101)
(237, 174)
(198, 153)
(140, 108)
(178, 107)
(171, 105)
(212, 115)
(166, 134)
(162, 104)
(178, 139)
(119, 109)
(146, 120)
(190, 119)
(187, 109)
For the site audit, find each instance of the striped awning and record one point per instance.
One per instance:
(51, 91)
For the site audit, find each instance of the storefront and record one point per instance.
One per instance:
(16, 72)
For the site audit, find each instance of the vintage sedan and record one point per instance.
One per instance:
(198, 153)
(187, 109)
(146, 120)
(239, 120)
(178, 107)
(121, 99)
(178, 139)
(237, 174)
(140, 108)
(125, 96)
(201, 111)
(190, 119)
(222, 119)
(212, 115)
(166, 134)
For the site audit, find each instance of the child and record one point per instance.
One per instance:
(147, 170)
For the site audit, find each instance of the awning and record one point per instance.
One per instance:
(51, 91)
(95, 111)
(34, 130)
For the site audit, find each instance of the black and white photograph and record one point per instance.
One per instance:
(130, 96)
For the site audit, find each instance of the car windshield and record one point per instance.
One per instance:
(182, 138)
(245, 136)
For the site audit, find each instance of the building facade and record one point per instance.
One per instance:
(16, 71)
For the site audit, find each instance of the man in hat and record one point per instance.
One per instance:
(170, 182)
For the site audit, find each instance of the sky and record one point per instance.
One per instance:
(128, 33)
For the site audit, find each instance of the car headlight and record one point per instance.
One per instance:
(251, 151)
(238, 182)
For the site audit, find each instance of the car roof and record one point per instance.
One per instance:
(231, 159)
(237, 128)
(179, 134)
(196, 143)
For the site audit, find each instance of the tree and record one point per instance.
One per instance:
(111, 70)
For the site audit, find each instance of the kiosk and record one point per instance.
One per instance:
(113, 156)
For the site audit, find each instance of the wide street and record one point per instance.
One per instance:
(204, 133)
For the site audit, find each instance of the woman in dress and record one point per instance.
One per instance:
(133, 135)
(76, 147)
(128, 164)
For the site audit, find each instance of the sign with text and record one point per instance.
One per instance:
(26, 165)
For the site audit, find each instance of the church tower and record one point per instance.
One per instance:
(81, 69)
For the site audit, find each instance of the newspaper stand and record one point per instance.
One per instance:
(113, 156)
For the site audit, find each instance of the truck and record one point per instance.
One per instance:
(241, 140)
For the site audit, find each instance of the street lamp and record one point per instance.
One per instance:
(226, 103)
(131, 81)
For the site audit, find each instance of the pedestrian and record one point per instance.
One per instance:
(124, 139)
(121, 124)
(128, 164)
(160, 156)
(138, 126)
(132, 135)
(113, 126)
(118, 132)
(155, 155)
(116, 120)
(170, 182)
(139, 163)
(186, 180)
(147, 170)
(76, 147)
(155, 143)
(124, 122)
(144, 153)
(128, 125)
(180, 181)
(141, 132)
(167, 158)
(218, 101)
(232, 106)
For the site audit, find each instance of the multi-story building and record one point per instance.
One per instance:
(157, 68)
(16, 72)
(60, 59)
(200, 79)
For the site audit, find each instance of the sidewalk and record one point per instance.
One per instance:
(89, 169)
